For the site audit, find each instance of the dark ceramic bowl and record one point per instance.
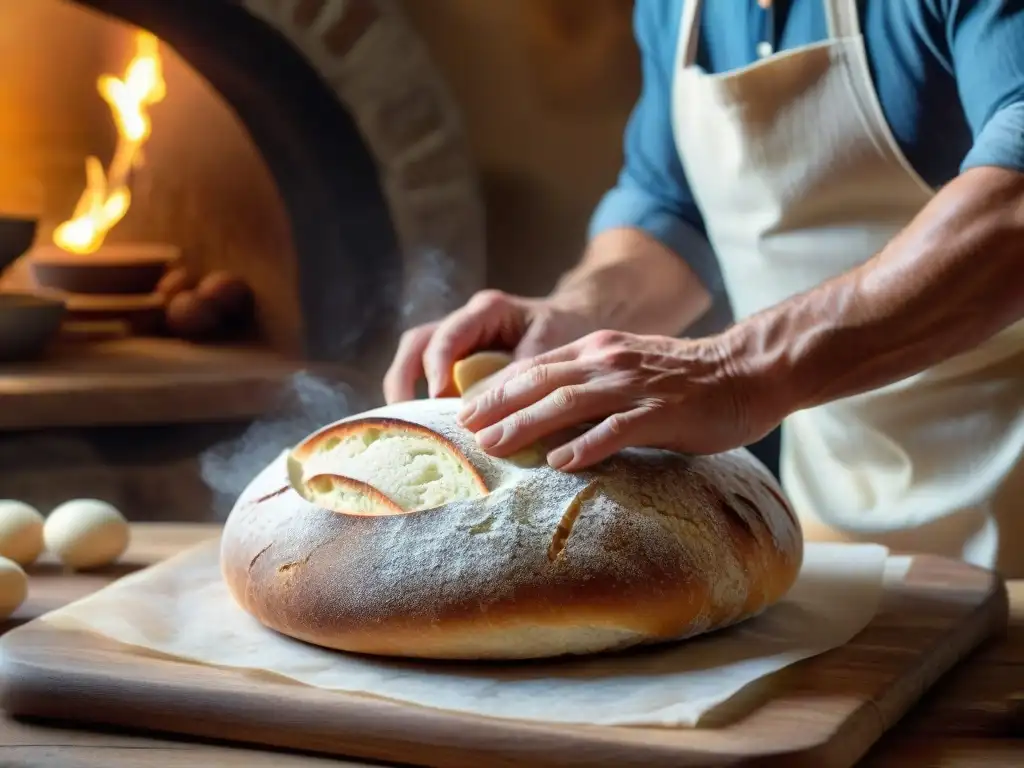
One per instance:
(27, 325)
(113, 270)
(16, 236)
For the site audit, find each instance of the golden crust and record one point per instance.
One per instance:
(377, 503)
(649, 547)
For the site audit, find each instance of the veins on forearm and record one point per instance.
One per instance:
(948, 282)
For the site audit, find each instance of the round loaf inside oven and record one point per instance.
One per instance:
(392, 533)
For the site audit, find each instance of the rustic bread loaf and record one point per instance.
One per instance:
(392, 533)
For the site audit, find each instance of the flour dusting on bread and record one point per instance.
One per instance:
(493, 558)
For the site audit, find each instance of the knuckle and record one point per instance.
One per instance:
(616, 424)
(565, 398)
(618, 358)
(605, 338)
(520, 421)
(536, 376)
(488, 300)
(411, 336)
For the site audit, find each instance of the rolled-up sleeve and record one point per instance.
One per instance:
(986, 44)
(652, 193)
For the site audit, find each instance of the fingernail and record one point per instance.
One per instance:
(559, 457)
(467, 413)
(490, 437)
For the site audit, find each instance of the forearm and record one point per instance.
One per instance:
(631, 282)
(948, 282)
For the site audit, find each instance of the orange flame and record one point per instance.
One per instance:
(107, 196)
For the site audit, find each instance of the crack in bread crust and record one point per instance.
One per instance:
(560, 538)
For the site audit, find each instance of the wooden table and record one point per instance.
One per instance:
(973, 719)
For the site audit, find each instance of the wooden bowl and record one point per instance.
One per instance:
(121, 268)
(27, 325)
(16, 236)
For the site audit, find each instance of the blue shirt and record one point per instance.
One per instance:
(949, 75)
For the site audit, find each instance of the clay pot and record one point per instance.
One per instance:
(16, 236)
(121, 268)
(27, 325)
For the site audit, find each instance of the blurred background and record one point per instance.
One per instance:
(216, 216)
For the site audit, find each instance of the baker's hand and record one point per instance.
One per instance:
(651, 391)
(490, 320)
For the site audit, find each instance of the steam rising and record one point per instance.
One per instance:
(229, 467)
(428, 292)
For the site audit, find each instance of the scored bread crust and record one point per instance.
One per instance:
(318, 444)
(649, 546)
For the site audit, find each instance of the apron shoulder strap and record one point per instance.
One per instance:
(843, 18)
(689, 34)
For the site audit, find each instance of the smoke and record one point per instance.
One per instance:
(310, 403)
(426, 294)
(428, 291)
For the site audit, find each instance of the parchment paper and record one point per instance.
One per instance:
(181, 608)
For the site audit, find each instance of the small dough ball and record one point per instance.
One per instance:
(21, 532)
(191, 316)
(230, 293)
(174, 282)
(13, 587)
(86, 533)
(476, 369)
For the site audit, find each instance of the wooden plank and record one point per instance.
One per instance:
(947, 753)
(142, 381)
(825, 712)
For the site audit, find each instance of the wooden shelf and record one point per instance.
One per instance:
(142, 381)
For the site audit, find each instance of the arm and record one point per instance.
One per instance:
(648, 267)
(952, 279)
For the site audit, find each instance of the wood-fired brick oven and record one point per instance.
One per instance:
(365, 150)
(367, 217)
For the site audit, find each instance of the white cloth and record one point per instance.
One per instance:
(799, 179)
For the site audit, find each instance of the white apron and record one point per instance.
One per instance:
(799, 179)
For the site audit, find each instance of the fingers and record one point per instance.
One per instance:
(617, 432)
(523, 367)
(564, 407)
(407, 367)
(500, 400)
(488, 317)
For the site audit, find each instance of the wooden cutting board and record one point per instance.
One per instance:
(825, 712)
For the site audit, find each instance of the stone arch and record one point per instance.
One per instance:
(364, 142)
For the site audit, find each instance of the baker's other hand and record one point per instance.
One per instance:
(653, 391)
(490, 320)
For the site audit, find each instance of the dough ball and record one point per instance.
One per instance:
(13, 587)
(86, 533)
(174, 282)
(191, 316)
(230, 293)
(21, 532)
(472, 372)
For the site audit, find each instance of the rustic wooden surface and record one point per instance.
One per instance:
(972, 718)
(141, 381)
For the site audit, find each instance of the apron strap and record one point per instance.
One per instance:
(689, 33)
(843, 18)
